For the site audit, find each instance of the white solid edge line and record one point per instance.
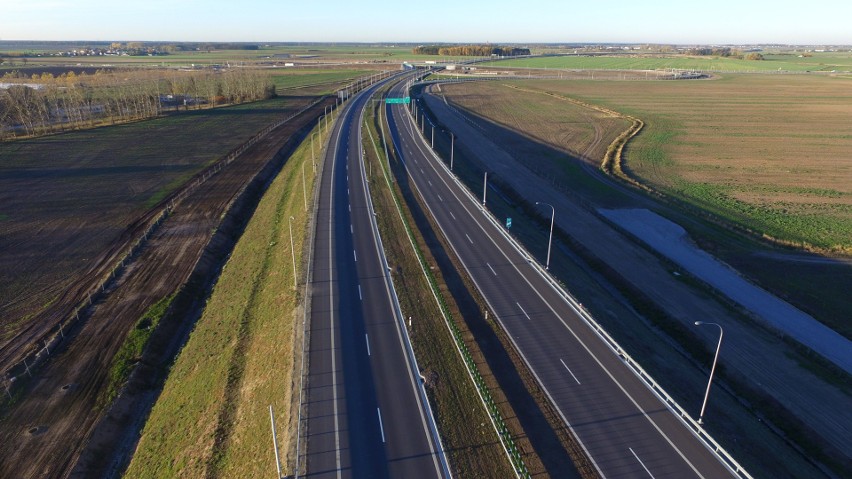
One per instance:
(331, 311)
(476, 219)
(376, 236)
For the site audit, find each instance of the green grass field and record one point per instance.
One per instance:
(824, 62)
(766, 152)
(39, 54)
(285, 79)
(212, 417)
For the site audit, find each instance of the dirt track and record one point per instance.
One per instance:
(44, 434)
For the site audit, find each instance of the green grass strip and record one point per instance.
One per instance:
(499, 424)
(131, 350)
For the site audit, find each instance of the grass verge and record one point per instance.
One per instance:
(131, 350)
(239, 359)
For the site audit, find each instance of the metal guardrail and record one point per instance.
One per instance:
(723, 455)
(409, 350)
(496, 419)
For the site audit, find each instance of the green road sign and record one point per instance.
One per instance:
(391, 101)
(508, 222)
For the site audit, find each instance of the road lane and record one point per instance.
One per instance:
(624, 427)
(366, 415)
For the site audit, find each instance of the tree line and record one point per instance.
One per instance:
(469, 50)
(43, 104)
(726, 52)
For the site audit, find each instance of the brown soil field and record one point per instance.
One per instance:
(71, 205)
(582, 132)
(46, 429)
(770, 152)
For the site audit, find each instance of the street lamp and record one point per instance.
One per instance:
(712, 369)
(313, 157)
(550, 239)
(304, 188)
(452, 149)
(292, 250)
(484, 188)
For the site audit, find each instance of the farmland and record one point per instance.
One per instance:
(787, 174)
(824, 62)
(67, 199)
(300, 78)
(334, 55)
(72, 205)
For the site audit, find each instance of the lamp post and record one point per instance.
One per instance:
(452, 149)
(326, 122)
(712, 369)
(484, 188)
(550, 239)
(292, 251)
(313, 157)
(304, 188)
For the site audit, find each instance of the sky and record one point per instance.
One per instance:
(431, 21)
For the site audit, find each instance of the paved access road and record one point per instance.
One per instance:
(366, 411)
(625, 428)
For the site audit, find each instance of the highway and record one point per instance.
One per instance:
(624, 427)
(366, 411)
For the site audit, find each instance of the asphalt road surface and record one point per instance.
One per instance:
(624, 427)
(367, 414)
